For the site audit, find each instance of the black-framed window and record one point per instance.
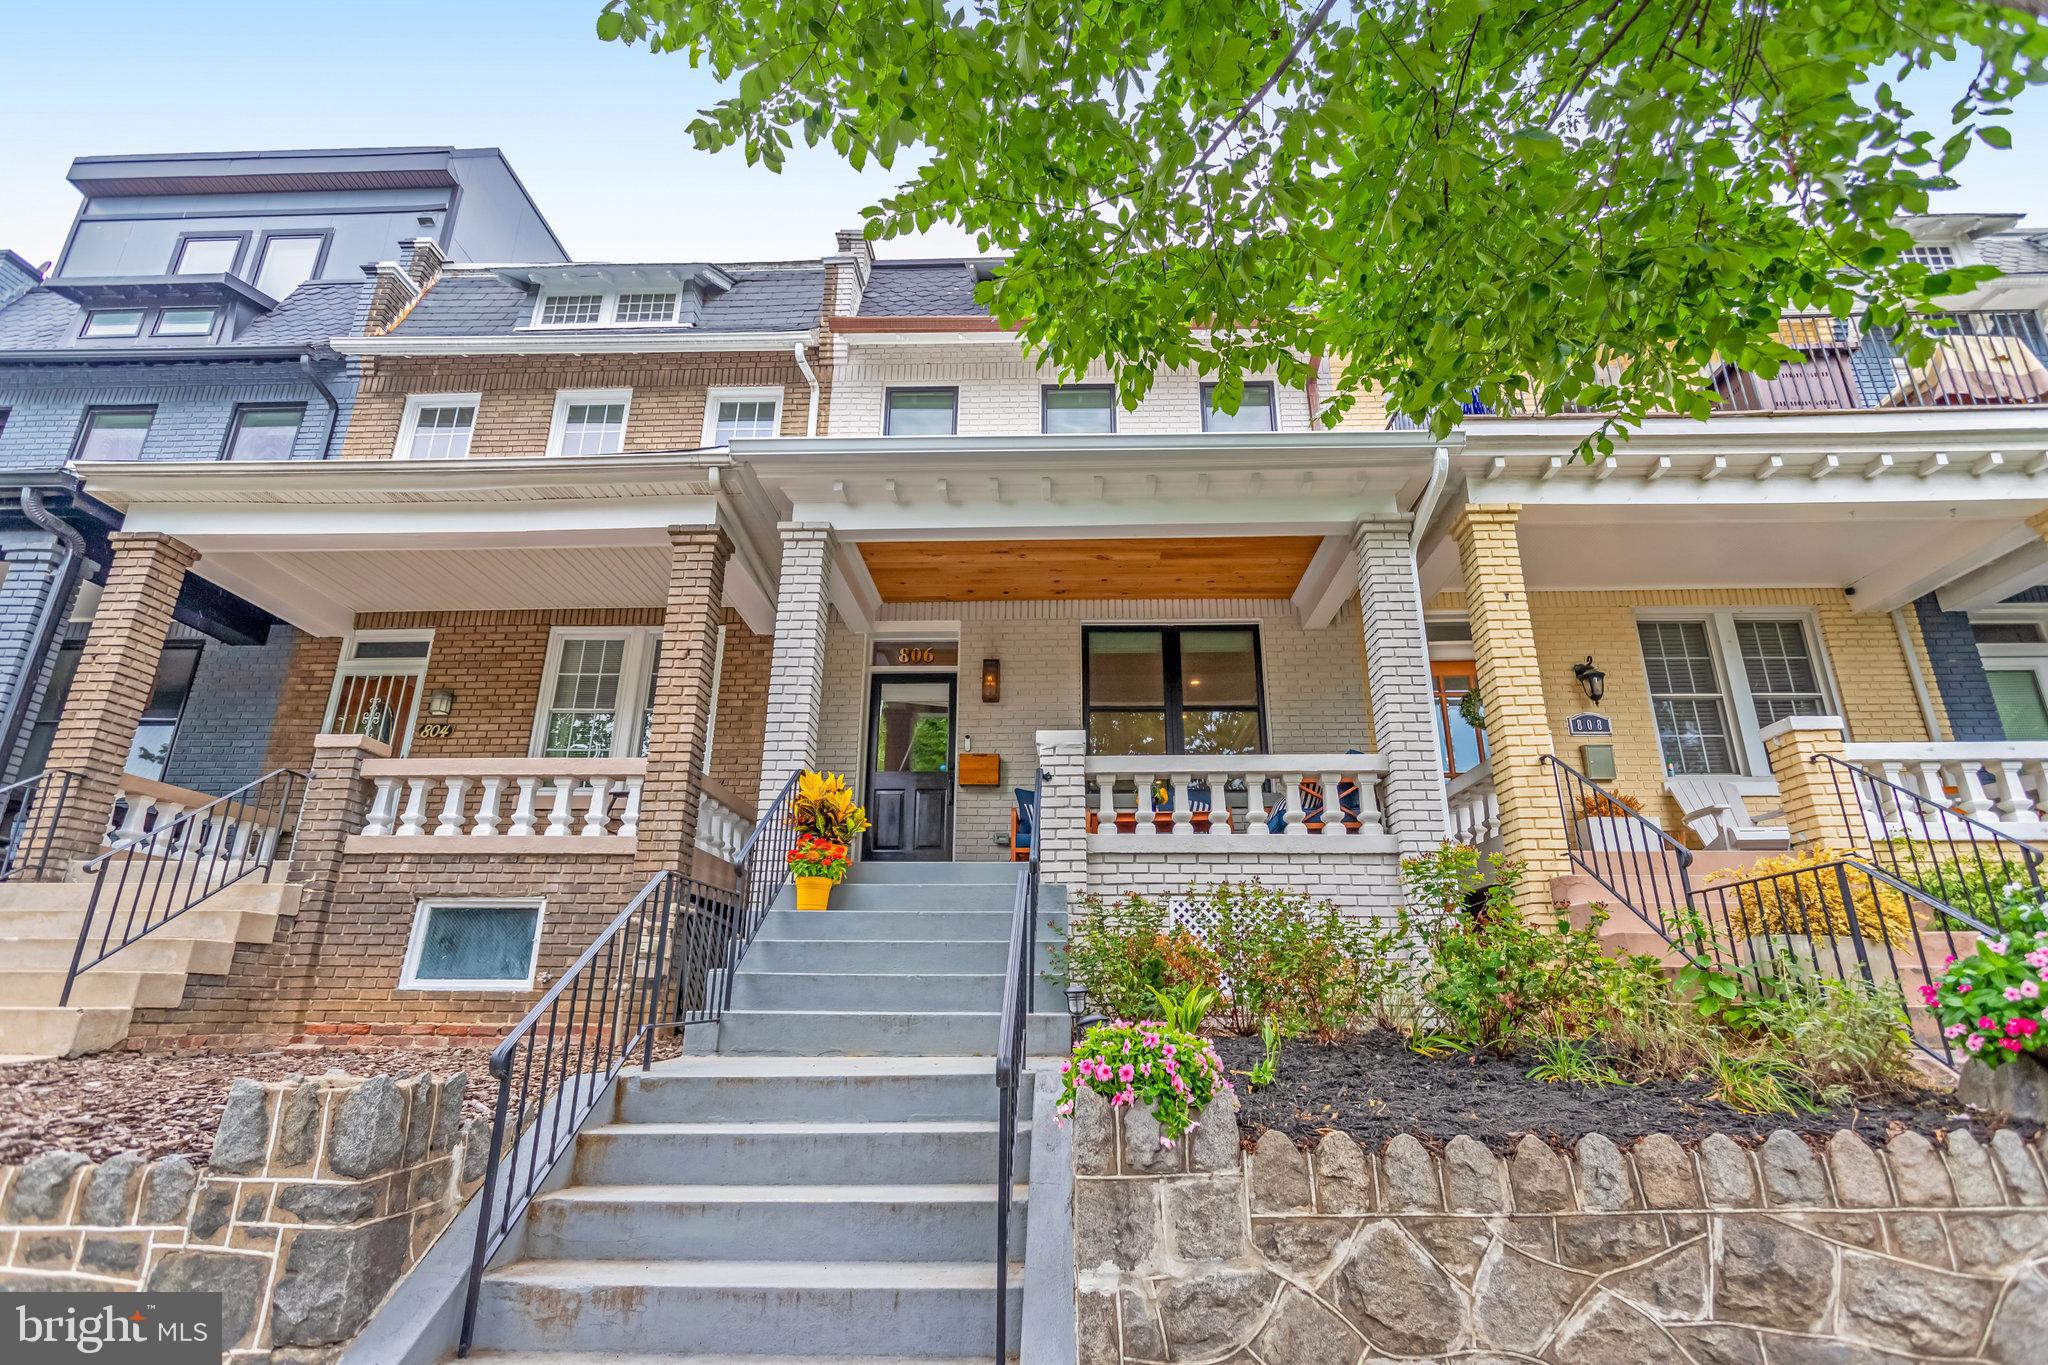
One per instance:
(286, 260)
(1255, 410)
(150, 755)
(264, 431)
(920, 412)
(113, 322)
(208, 253)
(1077, 409)
(113, 433)
(1173, 690)
(185, 322)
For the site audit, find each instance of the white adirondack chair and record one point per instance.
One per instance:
(1714, 810)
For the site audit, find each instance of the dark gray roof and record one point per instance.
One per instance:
(2016, 253)
(921, 289)
(483, 303)
(41, 320)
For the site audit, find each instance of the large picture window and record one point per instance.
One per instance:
(1173, 690)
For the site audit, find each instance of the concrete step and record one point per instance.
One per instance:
(760, 990)
(900, 1153)
(949, 926)
(105, 984)
(771, 1222)
(186, 956)
(903, 896)
(717, 1089)
(981, 871)
(830, 1033)
(51, 1031)
(853, 1307)
(884, 955)
(227, 924)
(276, 897)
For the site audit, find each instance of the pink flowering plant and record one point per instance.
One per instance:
(1174, 1074)
(1991, 1003)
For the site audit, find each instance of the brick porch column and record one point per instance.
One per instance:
(681, 713)
(111, 689)
(796, 671)
(1397, 676)
(336, 804)
(1816, 810)
(1511, 691)
(1062, 822)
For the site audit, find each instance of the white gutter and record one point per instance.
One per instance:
(1920, 693)
(803, 363)
(1425, 508)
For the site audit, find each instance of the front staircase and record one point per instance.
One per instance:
(815, 1180)
(39, 924)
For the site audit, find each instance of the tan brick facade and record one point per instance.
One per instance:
(302, 702)
(680, 711)
(110, 690)
(1816, 806)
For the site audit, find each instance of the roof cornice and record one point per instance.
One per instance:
(581, 343)
(124, 482)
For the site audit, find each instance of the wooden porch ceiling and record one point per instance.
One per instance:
(1037, 570)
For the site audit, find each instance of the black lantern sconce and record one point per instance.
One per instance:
(441, 703)
(1591, 679)
(991, 680)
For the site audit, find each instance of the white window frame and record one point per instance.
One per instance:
(408, 976)
(758, 394)
(2031, 658)
(415, 403)
(1725, 647)
(352, 667)
(636, 692)
(607, 308)
(711, 713)
(558, 426)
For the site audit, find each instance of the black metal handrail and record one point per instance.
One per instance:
(145, 882)
(1621, 849)
(664, 962)
(1927, 843)
(1020, 999)
(29, 810)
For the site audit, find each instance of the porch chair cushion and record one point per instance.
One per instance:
(1024, 821)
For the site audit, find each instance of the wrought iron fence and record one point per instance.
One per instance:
(145, 882)
(29, 810)
(1020, 999)
(1647, 869)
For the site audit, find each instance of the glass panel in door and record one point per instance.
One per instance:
(910, 772)
(1464, 747)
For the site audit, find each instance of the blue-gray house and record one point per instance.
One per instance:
(187, 317)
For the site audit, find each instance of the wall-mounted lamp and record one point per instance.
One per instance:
(991, 680)
(1591, 679)
(441, 703)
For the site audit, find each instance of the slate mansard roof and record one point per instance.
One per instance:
(921, 289)
(493, 301)
(43, 320)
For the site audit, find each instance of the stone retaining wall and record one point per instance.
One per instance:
(1719, 1255)
(320, 1193)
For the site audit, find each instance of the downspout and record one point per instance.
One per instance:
(803, 363)
(1920, 693)
(43, 636)
(333, 403)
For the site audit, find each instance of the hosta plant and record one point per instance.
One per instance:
(1991, 1003)
(1171, 1073)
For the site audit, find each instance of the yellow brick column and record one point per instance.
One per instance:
(109, 692)
(1511, 692)
(1820, 804)
(680, 719)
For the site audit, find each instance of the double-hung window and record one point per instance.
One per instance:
(2014, 647)
(590, 422)
(742, 413)
(597, 692)
(1710, 719)
(437, 426)
(1173, 690)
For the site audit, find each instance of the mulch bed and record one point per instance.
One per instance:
(168, 1103)
(1374, 1088)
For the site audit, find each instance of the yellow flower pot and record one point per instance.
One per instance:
(813, 892)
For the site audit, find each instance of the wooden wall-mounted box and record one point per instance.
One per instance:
(981, 770)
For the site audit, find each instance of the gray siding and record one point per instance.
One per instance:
(194, 405)
(224, 733)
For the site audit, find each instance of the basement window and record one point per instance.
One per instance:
(474, 945)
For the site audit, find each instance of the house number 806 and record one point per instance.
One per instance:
(922, 655)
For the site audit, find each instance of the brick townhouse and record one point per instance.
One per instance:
(605, 551)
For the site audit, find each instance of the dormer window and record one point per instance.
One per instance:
(1933, 257)
(643, 310)
(610, 308)
(113, 322)
(207, 255)
(571, 310)
(185, 322)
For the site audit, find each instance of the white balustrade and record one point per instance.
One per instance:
(1475, 808)
(721, 830)
(1244, 800)
(2000, 785)
(150, 812)
(492, 798)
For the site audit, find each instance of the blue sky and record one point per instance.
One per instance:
(594, 129)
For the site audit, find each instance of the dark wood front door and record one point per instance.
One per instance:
(910, 767)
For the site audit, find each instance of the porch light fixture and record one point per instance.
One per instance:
(1077, 1001)
(1591, 679)
(441, 703)
(991, 680)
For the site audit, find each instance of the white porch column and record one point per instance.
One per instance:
(1062, 817)
(796, 671)
(1397, 676)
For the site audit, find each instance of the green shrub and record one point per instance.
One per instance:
(1123, 950)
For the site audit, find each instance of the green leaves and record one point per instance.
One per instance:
(1561, 206)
